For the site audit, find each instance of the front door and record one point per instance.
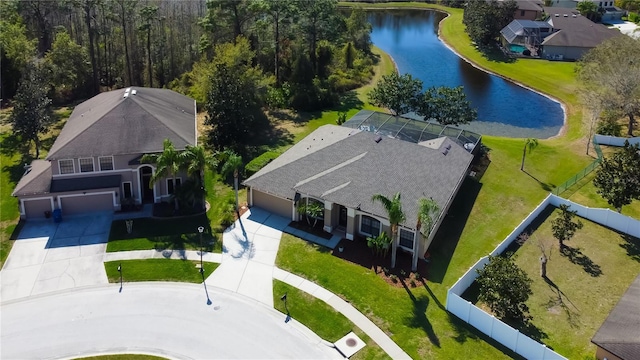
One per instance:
(342, 217)
(145, 180)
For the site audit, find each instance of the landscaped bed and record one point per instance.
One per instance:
(158, 270)
(160, 234)
(583, 283)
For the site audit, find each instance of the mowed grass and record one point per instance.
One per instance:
(160, 234)
(122, 357)
(321, 318)
(158, 270)
(415, 318)
(582, 288)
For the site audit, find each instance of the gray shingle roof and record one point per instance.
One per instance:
(577, 31)
(110, 124)
(354, 168)
(36, 180)
(620, 332)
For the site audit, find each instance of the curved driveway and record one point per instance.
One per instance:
(167, 319)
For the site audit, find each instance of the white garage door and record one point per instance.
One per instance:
(272, 204)
(35, 208)
(86, 203)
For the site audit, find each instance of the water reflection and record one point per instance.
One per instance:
(505, 109)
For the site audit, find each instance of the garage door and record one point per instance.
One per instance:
(272, 204)
(35, 208)
(86, 203)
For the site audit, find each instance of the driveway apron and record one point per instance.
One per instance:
(49, 256)
(249, 252)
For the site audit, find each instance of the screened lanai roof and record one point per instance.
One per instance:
(411, 130)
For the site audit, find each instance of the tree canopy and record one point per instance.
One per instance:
(563, 227)
(485, 19)
(505, 288)
(398, 93)
(617, 179)
(611, 74)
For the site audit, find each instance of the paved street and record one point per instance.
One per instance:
(168, 319)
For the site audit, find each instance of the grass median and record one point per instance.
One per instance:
(158, 270)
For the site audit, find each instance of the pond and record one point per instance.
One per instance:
(504, 108)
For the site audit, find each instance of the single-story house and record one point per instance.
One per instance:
(94, 164)
(529, 9)
(566, 35)
(573, 36)
(342, 167)
(619, 336)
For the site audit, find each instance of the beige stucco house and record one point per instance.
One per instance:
(94, 164)
(342, 167)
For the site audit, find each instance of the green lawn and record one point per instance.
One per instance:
(158, 270)
(122, 357)
(322, 319)
(160, 234)
(583, 288)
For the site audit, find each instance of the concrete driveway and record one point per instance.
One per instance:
(50, 256)
(167, 319)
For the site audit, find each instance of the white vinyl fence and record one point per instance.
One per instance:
(498, 330)
(615, 141)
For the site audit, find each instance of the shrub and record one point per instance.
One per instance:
(393, 278)
(609, 125)
(259, 162)
(634, 17)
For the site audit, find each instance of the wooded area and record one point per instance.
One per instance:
(88, 46)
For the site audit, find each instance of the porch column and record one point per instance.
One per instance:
(416, 246)
(351, 224)
(328, 225)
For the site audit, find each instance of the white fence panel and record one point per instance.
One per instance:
(615, 141)
(469, 277)
(520, 228)
(634, 229)
(529, 348)
(458, 306)
(480, 320)
(618, 222)
(504, 334)
(600, 216)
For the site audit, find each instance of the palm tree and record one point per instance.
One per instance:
(393, 207)
(427, 211)
(233, 163)
(197, 160)
(168, 163)
(529, 145)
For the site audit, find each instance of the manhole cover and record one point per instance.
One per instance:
(351, 342)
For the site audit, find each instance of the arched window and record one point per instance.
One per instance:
(369, 225)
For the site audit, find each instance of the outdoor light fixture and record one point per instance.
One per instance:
(200, 230)
(296, 197)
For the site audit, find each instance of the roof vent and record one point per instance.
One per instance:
(133, 92)
(448, 147)
(557, 15)
(566, 15)
(574, 15)
(445, 152)
(378, 139)
(126, 93)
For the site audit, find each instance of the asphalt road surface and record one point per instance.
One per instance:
(167, 319)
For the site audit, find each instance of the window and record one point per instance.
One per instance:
(521, 12)
(86, 164)
(127, 193)
(170, 187)
(369, 225)
(406, 238)
(66, 166)
(106, 163)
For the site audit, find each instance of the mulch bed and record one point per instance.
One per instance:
(357, 252)
(315, 230)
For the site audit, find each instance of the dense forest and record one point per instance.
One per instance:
(291, 53)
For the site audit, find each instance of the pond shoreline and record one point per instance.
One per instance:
(561, 131)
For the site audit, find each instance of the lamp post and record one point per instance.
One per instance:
(200, 230)
(120, 271)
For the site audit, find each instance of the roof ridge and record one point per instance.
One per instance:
(331, 169)
(35, 176)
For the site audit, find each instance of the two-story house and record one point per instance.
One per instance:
(94, 164)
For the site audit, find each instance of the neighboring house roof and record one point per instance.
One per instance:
(522, 28)
(348, 166)
(620, 332)
(113, 124)
(577, 31)
(36, 179)
(530, 5)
